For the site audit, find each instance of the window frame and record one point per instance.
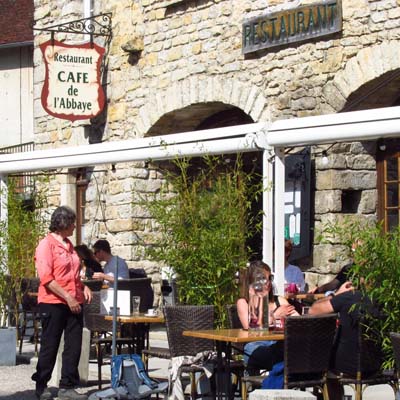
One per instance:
(383, 154)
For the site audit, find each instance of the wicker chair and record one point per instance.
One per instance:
(178, 319)
(100, 331)
(162, 352)
(30, 311)
(237, 365)
(307, 351)
(368, 358)
(253, 379)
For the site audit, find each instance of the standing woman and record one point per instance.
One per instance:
(60, 298)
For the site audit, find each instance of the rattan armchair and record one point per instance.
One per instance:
(307, 351)
(237, 365)
(369, 366)
(253, 378)
(178, 319)
(30, 311)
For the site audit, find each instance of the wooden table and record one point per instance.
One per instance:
(139, 327)
(223, 340)
(236, 335)
(137, 319)
(305, 296)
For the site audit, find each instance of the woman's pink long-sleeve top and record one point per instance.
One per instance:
(54, 261)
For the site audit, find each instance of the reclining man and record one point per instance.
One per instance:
(351, 304)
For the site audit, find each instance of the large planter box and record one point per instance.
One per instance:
(8, 340)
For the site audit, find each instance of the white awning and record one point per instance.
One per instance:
(240, 138)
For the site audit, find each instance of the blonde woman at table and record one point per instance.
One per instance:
(262, 354)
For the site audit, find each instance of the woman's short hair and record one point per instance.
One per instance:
(62, 218)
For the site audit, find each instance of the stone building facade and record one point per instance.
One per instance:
(170, 66)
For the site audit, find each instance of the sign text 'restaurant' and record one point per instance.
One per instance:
(294, 25)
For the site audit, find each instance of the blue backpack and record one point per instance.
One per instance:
(129, 380)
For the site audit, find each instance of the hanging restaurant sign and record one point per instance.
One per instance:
(72, 88)
(293, 25)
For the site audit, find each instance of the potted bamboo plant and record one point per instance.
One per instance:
(19, 235)
(205, 220)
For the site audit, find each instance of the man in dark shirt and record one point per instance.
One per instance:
(336, 282)
(350, 304)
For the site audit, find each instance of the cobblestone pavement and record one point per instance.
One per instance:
(16, 383)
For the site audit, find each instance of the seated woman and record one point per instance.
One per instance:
(89, 261)
(262, 354)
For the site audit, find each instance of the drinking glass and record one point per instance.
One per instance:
(135, 305)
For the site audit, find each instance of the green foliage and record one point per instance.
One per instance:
(376, 272)
(204, 227)
(19, 236)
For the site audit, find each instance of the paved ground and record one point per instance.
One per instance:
(16, 383)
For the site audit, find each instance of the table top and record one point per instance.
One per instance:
(236, 335)
(136, 319)
(305, 296)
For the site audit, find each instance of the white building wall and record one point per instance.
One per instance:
(16, 96)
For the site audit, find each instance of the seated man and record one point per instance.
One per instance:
(350, 304)
(102, 251)
(335, 283)
(340, 278)
(293, 274)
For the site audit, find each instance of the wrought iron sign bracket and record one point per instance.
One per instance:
(96, 25)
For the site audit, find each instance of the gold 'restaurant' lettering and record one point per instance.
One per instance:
(292, 25)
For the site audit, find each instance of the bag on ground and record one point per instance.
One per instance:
(129, 380)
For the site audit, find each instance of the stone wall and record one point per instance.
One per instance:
(189, 55)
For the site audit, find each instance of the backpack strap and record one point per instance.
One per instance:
(116, 370)
(153, 384)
